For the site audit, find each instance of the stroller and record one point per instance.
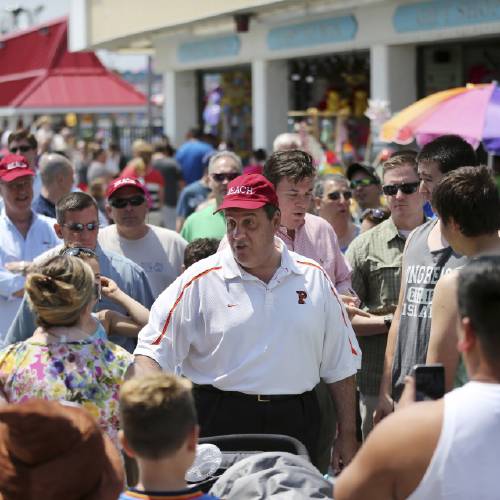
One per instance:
(237, 447)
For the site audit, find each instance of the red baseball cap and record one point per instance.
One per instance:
(249, 191)
(122, 182)
(14, 166)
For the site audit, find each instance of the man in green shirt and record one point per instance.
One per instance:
(222, 168)
(375, 257)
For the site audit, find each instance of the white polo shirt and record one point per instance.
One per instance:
(225, 327)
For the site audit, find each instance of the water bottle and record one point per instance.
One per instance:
(207, 461)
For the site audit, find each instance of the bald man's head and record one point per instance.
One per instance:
(53, 166)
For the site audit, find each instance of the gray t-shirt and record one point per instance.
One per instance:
(422, 270)
(160, 253)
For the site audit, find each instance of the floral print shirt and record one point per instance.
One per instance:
(87, 372)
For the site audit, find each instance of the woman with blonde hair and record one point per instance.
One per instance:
(65, 359)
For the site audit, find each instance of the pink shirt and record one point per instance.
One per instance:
(317, 240)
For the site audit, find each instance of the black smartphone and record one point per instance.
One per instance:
(429, 381)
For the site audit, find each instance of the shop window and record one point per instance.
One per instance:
(328, 97)
(226, 107)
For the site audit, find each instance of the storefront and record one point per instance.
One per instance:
(455, 64)
(225, 106)
(330, 94)
(407, 49)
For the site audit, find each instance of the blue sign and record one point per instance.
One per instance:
(438, 14)
(331, 30)
(209, 48)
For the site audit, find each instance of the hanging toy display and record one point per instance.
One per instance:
(212, 110)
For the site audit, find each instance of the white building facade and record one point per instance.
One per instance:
(413, 48)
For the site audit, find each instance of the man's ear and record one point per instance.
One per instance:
(125, 445)
(58, 230)
(455, 225)
(468, 339)
(276, 220)
(108, 211)
(317, 203)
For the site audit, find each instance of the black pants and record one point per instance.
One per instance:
(221, 413)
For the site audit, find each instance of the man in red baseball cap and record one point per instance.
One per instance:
(255, 327)
(159, 251)
(23, 233)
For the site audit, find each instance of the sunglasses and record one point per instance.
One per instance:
(222, 177)
(134, 201)
(363, 182)
(405, 188)
(20, 149)
(78, 227)
(335, 195)
(77, 251)
(374, 213)
(98, 291)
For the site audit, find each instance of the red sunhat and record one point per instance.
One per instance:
(122, 182)
(14, 166)
(249, 191)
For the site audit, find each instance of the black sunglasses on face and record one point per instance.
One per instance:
(228, 177)
(135, 201)
(362, 183)
(335, 195)
(78, 227)
(21, 149)
(405, 188)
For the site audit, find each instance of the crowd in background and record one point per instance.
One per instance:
(91, 238)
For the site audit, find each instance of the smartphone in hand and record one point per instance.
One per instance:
(429, 381)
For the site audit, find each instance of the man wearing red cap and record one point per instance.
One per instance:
(23, 233)
(255, 327)
(159, 251)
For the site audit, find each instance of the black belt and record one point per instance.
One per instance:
(261, 398)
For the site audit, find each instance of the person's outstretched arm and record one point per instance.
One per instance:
(137, 312)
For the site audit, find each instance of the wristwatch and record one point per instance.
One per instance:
(388, 321)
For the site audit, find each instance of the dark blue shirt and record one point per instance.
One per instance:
(43, 206)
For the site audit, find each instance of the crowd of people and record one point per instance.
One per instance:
(254, 297)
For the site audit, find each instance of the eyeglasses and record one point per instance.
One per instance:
(221, 177)
(405, 188)
(134, 201)
(335, 195)
(363, 182)
(78, 227)
(374, 213)
(77, 251)
(20, 149)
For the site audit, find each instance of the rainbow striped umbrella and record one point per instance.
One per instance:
(472, 112)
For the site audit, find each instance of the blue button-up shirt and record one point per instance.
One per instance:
(15, 247)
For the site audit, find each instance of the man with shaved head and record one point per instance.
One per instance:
(56, 173)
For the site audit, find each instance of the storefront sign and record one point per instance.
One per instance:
(331, 30)
(438, 14)
(209, 48)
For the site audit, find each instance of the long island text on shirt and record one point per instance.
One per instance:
(420, 284)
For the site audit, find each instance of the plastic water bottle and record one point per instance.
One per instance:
(207, 461)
